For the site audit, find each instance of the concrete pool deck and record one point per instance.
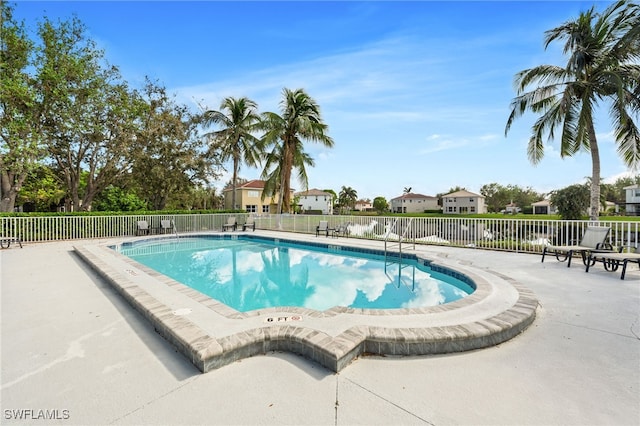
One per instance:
(74, 348)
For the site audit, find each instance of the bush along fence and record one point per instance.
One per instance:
(521, 235)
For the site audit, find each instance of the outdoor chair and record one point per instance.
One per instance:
(612, 260)
(592, 240)
(231, 224)
(166, 225)
(343, 229)
(143, 228)
(5, 242)
(323, 227)
(250, 223)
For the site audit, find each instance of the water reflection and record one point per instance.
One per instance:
(247, 275)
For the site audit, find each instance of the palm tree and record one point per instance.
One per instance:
(406, 190)
(300, 120)
(603, 50)
(235, 140)
(274, 176)
(348, 196)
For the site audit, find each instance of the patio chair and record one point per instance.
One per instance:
(323, 227)
(250, 223)
(231, 224)
(343, 229)
(166, 225)
(612, 260)
(143, 228)
(592, 240)
(5, 242)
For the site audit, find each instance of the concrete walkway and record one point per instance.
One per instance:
(74, 350)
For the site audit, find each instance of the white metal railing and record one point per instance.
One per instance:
(521, 235)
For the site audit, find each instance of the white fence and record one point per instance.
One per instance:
(522, 235)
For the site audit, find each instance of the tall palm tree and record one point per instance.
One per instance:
(348, 197)
(603, 50)
(300, 121)
(238, 119)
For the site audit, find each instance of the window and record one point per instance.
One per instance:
(471, 200)
(265, 209)
(316, 198)
(472, 209)
(251, 209)
(253, 194)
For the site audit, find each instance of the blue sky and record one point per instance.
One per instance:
(415, 94)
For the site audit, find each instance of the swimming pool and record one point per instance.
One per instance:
(211, 334)
(249, 273)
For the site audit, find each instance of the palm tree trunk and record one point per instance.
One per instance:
(235, 178)
(594, 208)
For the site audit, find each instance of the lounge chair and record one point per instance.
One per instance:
(231, 224)
(612, 260)
(323, 227)
(166, 225)
(343, 229)
(5, 242)
(593, 239)
(250, 223)
(143, 228)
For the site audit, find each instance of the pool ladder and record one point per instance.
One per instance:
(393, 257)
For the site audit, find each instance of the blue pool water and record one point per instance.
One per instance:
(248, 273)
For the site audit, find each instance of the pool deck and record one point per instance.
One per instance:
(74, 348)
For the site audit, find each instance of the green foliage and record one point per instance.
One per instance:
(572, 202)
(498, 196)
(380, 204)
(347, 198)
(20, 140)
(115, 199)
(42, 189)
(171, 164)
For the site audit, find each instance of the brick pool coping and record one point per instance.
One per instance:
(211, 334)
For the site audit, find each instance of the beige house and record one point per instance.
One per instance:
(315, 199)
(463, 202)
(249, 198)
(544, 207)
(414, 203)
(363, 206)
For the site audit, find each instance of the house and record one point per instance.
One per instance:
(315, 199)
(632, 200)
(414, 203)
(511, 208)
(363, 205)
(463, 202)
(544, 207)
(249, 198)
